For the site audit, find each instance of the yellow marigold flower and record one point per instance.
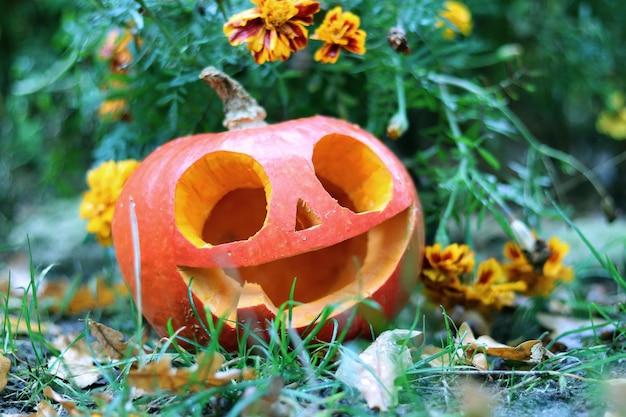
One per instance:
(112, 110)
(448, 293)
(490, 290)
(540, 279)
(105, 185)
(612, 123)
(553, 266)
(272, 30)
(457, 18)
(454, 261)
(339, 30)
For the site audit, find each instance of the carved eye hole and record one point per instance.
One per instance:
(212, 189)
(352, 173)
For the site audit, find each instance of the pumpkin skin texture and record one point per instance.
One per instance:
(234, 217)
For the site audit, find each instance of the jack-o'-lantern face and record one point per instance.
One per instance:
(236, 217)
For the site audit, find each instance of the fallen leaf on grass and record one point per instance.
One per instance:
(70, 407)
(268, 403)
(615, 393)
(375, 370)
(531, 351)
(109, 342)
(76, 362)
(571, 331)
(44, 409)
(5, 367)
(473, 351)
(161, 375)
(90, 296)
(19, 326)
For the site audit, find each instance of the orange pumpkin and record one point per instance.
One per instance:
(238, 215)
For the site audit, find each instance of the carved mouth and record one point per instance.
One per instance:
(343, 273)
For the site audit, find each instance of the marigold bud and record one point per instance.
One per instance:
(398, 124)
(523, 235)
(398, 40)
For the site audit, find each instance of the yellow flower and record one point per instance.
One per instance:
(540, 278)
(105, 185)
(454, 261)
(457, 18)
(112, 110)
(339, 31)
(553, 267)
(490, 290)
(612, 120)
(272, 30)
(449, 292)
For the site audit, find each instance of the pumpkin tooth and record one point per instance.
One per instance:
(305, 216)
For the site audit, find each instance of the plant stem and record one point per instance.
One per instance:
(460, 177)
(524, 132)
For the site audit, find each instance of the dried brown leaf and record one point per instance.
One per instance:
(5, 367)
(476, 359)
(69, 406)
(19, 326)
(529, 351)
(109, 342)
(473, 351)
(161, 375)
(375, 370)
(44, 409)
(90, 296)
(268, 404)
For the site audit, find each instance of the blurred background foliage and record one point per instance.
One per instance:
(553, 63)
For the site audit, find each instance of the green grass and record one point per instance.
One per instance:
(297, 374)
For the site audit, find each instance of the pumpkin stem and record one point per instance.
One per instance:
(241, 110)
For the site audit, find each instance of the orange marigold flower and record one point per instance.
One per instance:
(116, 48)
(540, 279)
(339, 30)
(105, 185)
(274, 29)
(112, 110)
(453, 261)
(457, 18)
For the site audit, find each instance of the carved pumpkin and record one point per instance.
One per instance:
(238, 215)
(233, 218)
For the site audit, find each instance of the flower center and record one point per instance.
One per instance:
(276, 13)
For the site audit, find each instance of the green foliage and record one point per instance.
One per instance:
(456, 93)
